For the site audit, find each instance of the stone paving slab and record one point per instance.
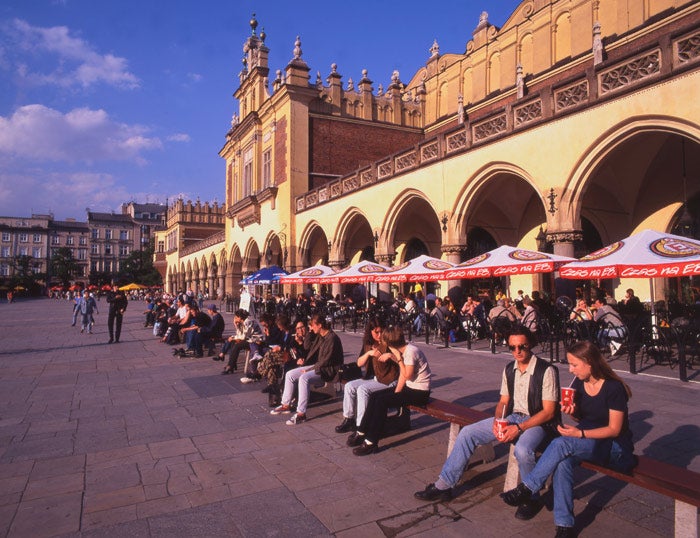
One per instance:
(126, 440)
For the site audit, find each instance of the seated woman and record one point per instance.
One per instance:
(581, 312)
(412, 388)
(277, 354)
(380, 376)
(601, 435)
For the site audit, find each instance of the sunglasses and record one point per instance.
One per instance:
(520, 347)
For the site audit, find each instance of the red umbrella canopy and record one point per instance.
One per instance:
(507, 261)
(314, 274)
(364, 271)
(75, 287)
(106, 287)
(647, 254)
(420, 269)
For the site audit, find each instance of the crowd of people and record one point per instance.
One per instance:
(290, 355)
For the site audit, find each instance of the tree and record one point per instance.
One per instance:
(63, 265)
(138, 267)
(23, 273)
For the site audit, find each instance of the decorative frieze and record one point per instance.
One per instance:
(384, 169)
(366, 177)
(350, 184)
(630, 72)
(687, 48)
(565, 237)
(405, 161)
(456, 141)
(430, 152)
(528, 112)
(311, 199)
(323, 195)
(571, 96)
(490, 127)
(336, 189)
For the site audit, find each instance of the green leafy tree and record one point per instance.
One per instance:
(63, 265)
(138, 267)
(23, 273)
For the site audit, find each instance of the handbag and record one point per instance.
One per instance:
(349, 372)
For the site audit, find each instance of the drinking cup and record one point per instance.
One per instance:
(501, 425)
(567, 396)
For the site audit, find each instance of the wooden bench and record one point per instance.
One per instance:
(458, 416)
(680, 484)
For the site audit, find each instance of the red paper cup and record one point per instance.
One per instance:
(501, 425)
(567, 396)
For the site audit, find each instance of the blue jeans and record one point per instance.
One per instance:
(356, 396)
(561, 457)
(481, 433)
(302, 378)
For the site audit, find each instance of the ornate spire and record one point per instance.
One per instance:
(435, 49)
(297, 49)
(519, 81)
(253, 24)
(598, 50)
(351, 85)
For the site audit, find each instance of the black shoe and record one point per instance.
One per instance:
(365, 449)
(517, 496)
(355, 439)
(110, 341)
(431, 493)
(227, 372)
(528, 509)
(267, 390)
(348, 425)
(196, 355)
(565, 532)
(116, 341)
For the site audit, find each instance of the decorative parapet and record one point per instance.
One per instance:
(490, 128)
(686, 49)
(630, 72)
(528, 112)
(581, 91)
(406, 161)
(215, 239)
(571, 96)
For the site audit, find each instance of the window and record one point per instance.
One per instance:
(123, 235)
(23, 238)
(108, 250)
(94, 249)
(267, 169)
(82, 254)
(93, 266)
(69, 240)
(4, 269)
(6, 237)
(108, 266)
(5, 252)
(248, 172)
(108, 234)
(83, 240)
(95, 233)
(55, 240)
(123, 250)
(36, 252)
(161, 246)
(37, 238)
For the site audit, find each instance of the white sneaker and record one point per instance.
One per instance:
(246, 380)
(281, 410)
(296, 418)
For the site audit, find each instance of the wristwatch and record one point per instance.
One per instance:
(520, 430)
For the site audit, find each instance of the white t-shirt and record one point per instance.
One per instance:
(421, 373)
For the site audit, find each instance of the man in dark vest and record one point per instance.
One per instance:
(117, 305)
(529, 404)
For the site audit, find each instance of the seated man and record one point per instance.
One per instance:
(529, 402)
(501, 319)
(325, 355)
(612, 329)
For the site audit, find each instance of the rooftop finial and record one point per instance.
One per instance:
(435, 49)
(297, 48)
(253, 24)
(263, 35)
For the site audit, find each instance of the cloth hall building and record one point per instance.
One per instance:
(570, 127)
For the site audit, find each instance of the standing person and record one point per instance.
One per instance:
(412, 388)
(76, 310)
(117, 305)
(602, 435)
(529, 395)
(88, 306)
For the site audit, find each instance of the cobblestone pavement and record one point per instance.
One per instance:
(124, 439)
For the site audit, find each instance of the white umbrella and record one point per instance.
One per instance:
(363, 271)
(311, 275)
(420, 269)
(506, 261)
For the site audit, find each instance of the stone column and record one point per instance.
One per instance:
(221, 290)
(337, 265)
(453, 255)
(211, 284)
(384, 289)
(563, 246)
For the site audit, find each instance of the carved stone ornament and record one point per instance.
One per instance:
(453, 249)
(630, 72)
(564, 237)
(528, 112)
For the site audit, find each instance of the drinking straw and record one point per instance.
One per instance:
(572, 382)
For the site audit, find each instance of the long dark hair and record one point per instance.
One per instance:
(600, 369)
(368, 340)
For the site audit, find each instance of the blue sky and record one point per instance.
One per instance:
(106, 101)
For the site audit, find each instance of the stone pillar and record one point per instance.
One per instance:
(337, 265)
(212, 286)
(453, 255)
(563, 246)
(384, 289)
(221, 290)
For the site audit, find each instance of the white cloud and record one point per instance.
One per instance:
(42, 133)
(78, 64)
(179, 137)
(194, 77)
